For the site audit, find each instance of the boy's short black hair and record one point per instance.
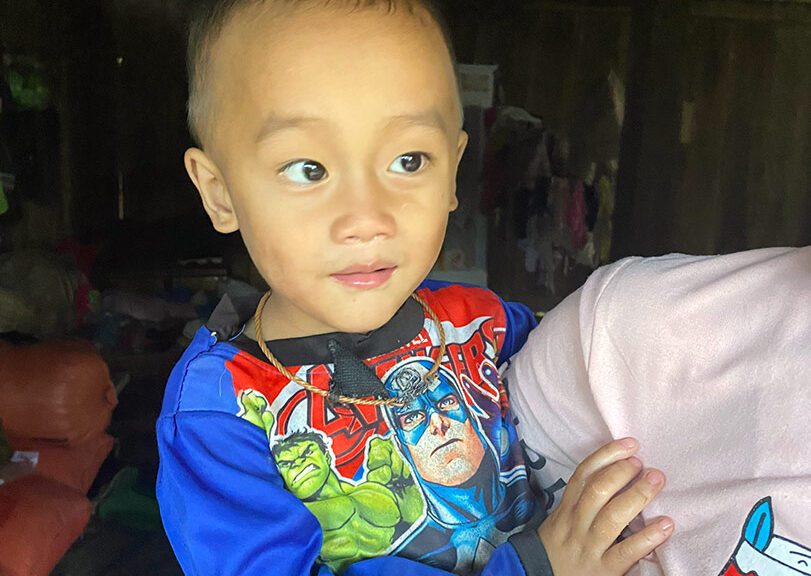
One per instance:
(211, 16)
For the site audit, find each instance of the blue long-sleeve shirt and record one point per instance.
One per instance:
(259, 476)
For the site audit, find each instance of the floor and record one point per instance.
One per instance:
(111, 549)
(115, 547)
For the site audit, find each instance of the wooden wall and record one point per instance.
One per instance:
(118, 72)
(716, 154)
(554, 56)
(715, 150)
(555, 60)
(150, 91)
(41, 210)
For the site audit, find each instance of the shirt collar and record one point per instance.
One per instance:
(229, 318)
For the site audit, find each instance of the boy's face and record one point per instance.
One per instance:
(334, 142)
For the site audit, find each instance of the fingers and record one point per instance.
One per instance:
(623, 555)
(605, 456)
(603, 496)
(379, 454)
(398, 467)
(598, 498)
(379, 462)
(622, 508)
(380, 475)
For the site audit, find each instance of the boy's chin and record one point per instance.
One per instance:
(362, 325)
(363, 319)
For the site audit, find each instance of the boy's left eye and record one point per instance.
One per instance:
(304, 172)
(409, 163)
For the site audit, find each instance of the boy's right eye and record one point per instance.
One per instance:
(304, 172)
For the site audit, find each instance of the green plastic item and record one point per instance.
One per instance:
(3, 200)
(28, 82)
(130, 502)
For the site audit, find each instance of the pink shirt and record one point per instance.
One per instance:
(707, 362)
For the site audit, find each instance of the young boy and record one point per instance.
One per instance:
(346, 423)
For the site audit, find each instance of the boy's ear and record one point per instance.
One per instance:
(209, 182)
(461, 145)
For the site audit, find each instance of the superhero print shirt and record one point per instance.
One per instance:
(261, 476)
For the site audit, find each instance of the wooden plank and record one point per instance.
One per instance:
(593, 7)
(795, 12)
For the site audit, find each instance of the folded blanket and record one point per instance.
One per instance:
(707, 362)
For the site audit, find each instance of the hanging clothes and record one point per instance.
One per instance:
(603, 228)
(576, 217)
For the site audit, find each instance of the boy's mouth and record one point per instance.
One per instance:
(365, 276)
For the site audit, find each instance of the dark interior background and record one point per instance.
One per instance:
(714, 154)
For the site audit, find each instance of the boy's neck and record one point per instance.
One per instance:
(280, 322)
(277, 325)
(273, 329)
(406, 325)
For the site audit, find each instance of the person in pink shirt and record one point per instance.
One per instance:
(706, 361)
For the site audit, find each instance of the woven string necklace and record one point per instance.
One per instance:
(260, 339)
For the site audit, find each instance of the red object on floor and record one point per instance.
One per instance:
(75, 465)
(56, 391)
(39, 520)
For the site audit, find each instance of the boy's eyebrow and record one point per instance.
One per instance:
(430, 118)
(275, 123)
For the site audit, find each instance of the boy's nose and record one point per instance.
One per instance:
(363, 217)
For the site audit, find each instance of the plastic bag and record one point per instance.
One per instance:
(75, 465)
(39, 520)
(57, 391)
(20, 465)
(37, 293)
(5, 448)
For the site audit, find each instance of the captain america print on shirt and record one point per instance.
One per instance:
(440, 479)
(474, 497)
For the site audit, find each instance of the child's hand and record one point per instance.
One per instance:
(580, 535)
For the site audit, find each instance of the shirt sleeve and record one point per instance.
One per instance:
(223, 503)
(519, 319)
(226, 511)
(520, 322)
(532, 553)
(504, 562)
